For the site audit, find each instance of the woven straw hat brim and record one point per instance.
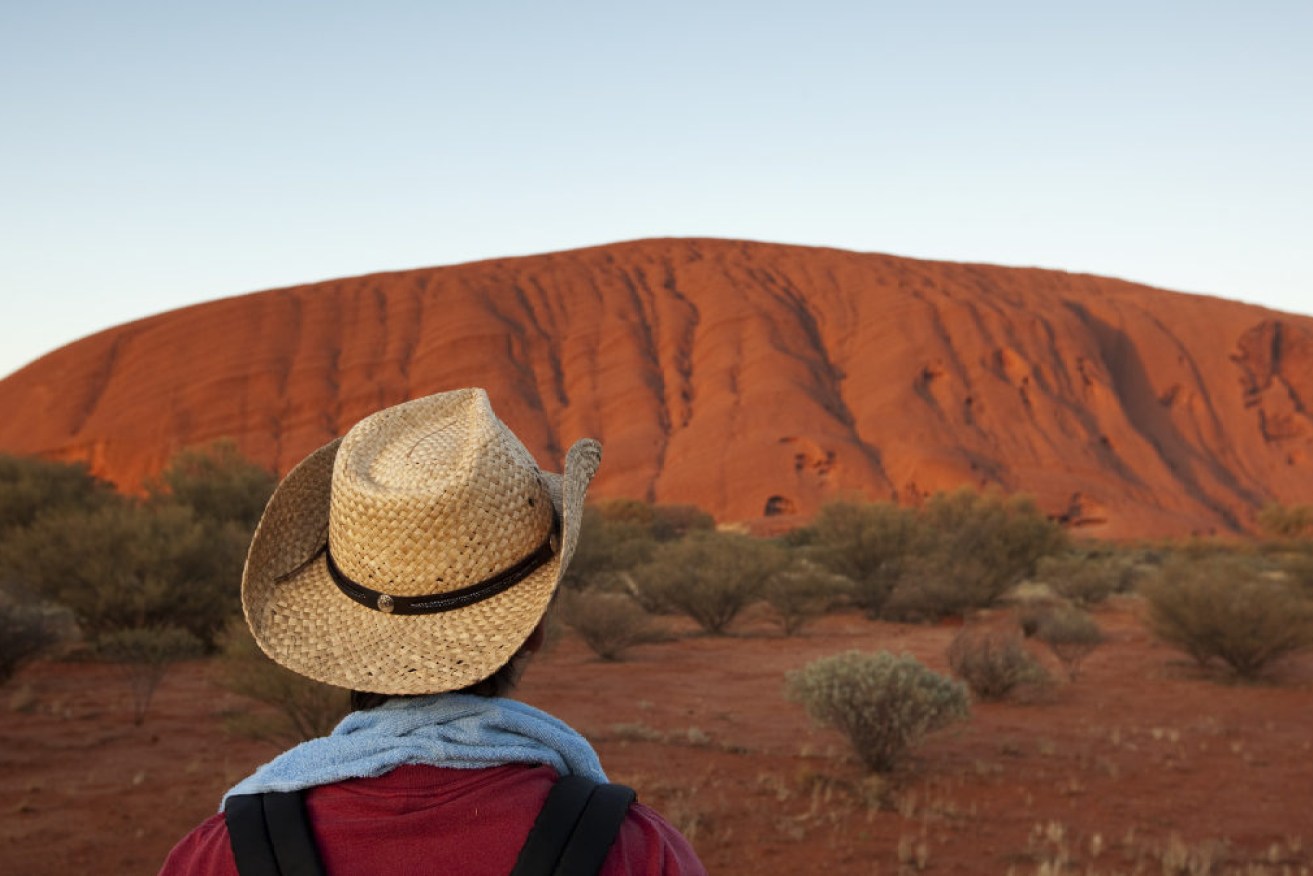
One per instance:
(303, 621)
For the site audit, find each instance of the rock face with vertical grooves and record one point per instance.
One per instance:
(751, 379)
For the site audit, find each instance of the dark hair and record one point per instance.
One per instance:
(499, 684)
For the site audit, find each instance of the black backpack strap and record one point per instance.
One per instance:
(575, 829)
(270, 835)
(596, 831)
(550, 832)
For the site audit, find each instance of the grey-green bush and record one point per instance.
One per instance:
(128, 566)
(1287, 521)
(1087, 577)
(1072, 635)
(709, 576)
(608, 548)
(1229, 608)
(868, 543)
(972, 549)
(1298, 568)
(302, 708)
(884, 704)
(936, 585)
(25, 632)
(1030, 613)
(609, 623)
(661, 522)
(30, 486)
(994, 662)
(145, 654)
(803, 592)
(219, 484)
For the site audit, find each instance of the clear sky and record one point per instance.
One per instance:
(157, 154)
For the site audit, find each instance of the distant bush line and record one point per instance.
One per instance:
(960, 551)
(157, 576)
(147, 580)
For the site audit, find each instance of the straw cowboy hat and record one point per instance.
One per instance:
(415, 554)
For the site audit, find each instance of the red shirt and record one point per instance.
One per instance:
(424, 819)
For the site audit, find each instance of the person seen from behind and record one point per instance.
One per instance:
(412, 562)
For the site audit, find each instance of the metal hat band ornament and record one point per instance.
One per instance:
(452, 599)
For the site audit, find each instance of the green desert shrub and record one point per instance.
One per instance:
(972, 548)
(1287, 521)
(994, 662)
(26, 631)
(30, 486)
(1072, 635)
(609, 549)
(803, 592)
(884, 704)
(868, 543)
(935, 586)
(609, 623)
(1087, 577)
(670, 522)
(661, 522)
(301, 707)
(117, 563)
(219, 484)
(1030, 613)
(709, 576)
(145, 655)
(1298, 569)
(961, 550)
(1231, 609)
(129, 566)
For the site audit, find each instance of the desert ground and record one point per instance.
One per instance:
(1145, 764)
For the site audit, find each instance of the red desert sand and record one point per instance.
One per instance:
(750, 379)
(1142, 765)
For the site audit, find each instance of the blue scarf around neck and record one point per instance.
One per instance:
(462, 731)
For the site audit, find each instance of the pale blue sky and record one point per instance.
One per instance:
(157, 154)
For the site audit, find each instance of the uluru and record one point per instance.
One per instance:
(754, 380)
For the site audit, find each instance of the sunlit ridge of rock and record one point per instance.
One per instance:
(751, 379)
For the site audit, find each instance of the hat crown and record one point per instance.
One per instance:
(434, 495)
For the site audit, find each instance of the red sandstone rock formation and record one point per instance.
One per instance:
(747, 378)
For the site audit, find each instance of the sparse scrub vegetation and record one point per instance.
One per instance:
(935, 586)
(803, 592)
(709, 576)
(884, 704)
(994, 662)
(608, 549)
(1229, 609)
(609, 623)
(1287, 521)
(145, 654)
(868, 543)
(30, 486)
(1072, 635)
(960, 551)
(660, 522)
(217, 483)
(120, 564)
(1030, 613)
(1013, 769)
(1055, 848)
(1298, 568)
(974, 547)
(126, 566)
(1087, 577)
(303, 708)
(25, 632)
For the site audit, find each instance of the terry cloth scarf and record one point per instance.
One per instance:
(463, 731)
